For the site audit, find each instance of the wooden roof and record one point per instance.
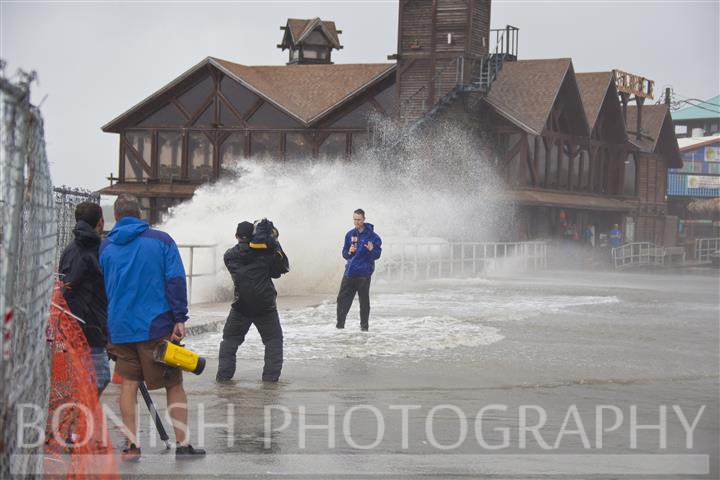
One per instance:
(306, 93)
(566, 200)
(300, 29)
(173, 190)
(525, 91)
(657, 132)
(595, 88)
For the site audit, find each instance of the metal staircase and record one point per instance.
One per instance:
(483, 70)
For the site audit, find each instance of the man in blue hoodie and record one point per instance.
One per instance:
(147, 303)
(361, 248)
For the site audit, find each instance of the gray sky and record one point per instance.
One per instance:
(97, 59)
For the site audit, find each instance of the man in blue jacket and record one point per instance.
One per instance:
(361, 248)
(147, 303)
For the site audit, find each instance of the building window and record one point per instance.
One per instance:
(136, 168)
(167, 115)
(630, 172)
(231, 152)
(200, 157)
(265, 145)
(170, 145)
(194, 98)
(360, 144)
(334, 146)
(298, 146)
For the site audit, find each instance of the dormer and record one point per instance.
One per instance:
(310, 41)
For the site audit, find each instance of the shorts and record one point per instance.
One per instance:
(102, 367)
(135, 361)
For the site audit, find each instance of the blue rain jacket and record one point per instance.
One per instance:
(144, 282)
(362, 262)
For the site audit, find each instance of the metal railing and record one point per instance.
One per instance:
(637, 253)
(431, 260)
(190, 265)
(704, 247)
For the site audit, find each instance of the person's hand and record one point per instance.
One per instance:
(178, 332)
(369, 246)
(352, 249)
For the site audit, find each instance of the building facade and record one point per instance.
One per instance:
(569, 147)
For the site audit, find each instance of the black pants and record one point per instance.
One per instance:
(348, 288)
(236, 327)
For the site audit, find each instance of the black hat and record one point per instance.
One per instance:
(244, 230)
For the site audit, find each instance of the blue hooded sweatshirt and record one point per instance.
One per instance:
(144, 282)
(362, 262)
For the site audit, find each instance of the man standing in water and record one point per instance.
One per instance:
(362, 247)
(252, 267)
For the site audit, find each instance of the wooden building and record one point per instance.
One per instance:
(568, 145)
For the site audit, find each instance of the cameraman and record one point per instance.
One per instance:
(252, 266)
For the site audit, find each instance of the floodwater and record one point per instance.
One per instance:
(640, 349)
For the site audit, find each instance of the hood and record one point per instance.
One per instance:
(85, 235)
(126, 230)
(369, 226)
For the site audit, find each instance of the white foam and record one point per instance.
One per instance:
(410, 325)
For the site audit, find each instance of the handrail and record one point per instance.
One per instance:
(704, 247)
(416, 260)
(190, 274)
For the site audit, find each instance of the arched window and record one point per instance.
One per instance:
(630, 173)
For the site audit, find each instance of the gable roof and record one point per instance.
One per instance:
(593, 89)
(308, 92)
(524, 91)
(656, 129)
(709, 109)
(299, 29)
(316, 90)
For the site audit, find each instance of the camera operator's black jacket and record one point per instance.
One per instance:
(83, 286)
(252, 272)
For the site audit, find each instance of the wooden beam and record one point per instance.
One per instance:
(254, 108)
(376, 104)
(228, 104)
(180, 107)
(137, 155)
(208, 101)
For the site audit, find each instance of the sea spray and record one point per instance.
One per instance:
(436, 185)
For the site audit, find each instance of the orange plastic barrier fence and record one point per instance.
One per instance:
(77, 443)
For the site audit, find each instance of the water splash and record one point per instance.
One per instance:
(433, 186)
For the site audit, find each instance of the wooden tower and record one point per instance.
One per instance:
(439, 41)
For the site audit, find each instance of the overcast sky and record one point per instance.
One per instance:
(95, 60)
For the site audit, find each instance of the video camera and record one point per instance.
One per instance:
(264, 236)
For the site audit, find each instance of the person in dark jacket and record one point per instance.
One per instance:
(252, 271)
(361, 248)
(83, 286)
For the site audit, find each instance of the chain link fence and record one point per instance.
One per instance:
(66, 199)
(28, 233)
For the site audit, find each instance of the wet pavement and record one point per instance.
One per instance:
(591, 358)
